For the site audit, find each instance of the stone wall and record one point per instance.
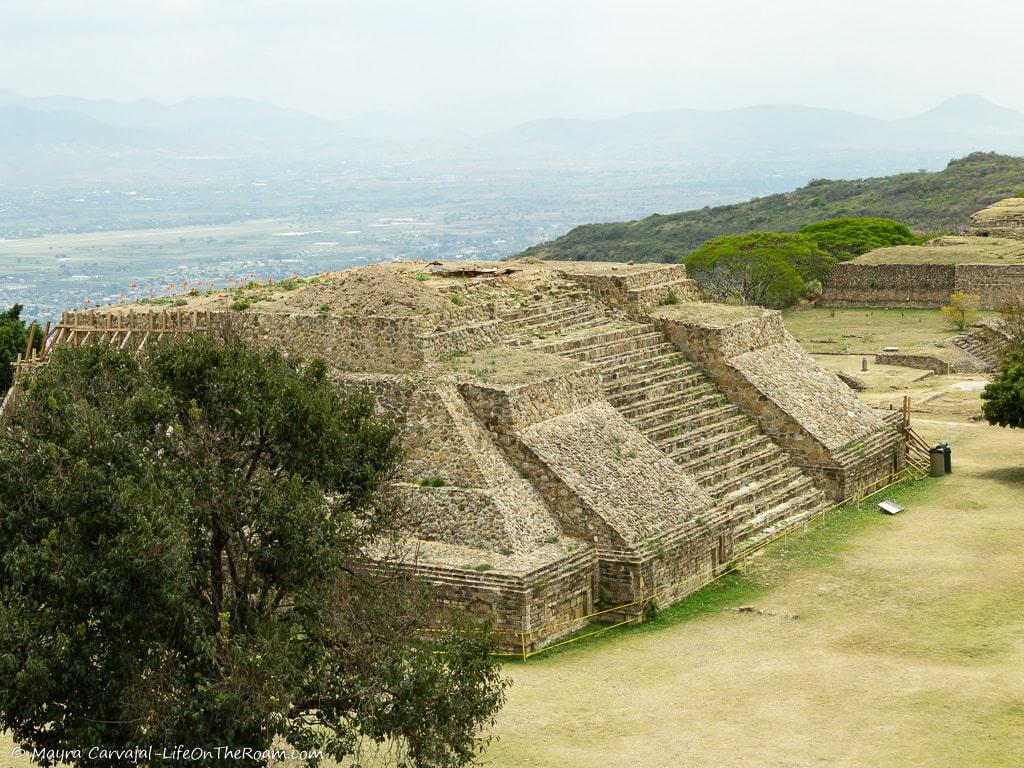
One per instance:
(995, 284)
(889, 285)
(528, 610)
(920, 285)
(634, 289)
(935, 360)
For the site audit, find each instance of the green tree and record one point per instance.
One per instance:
(13, 338)
(766, 268)
(1003, 397)
(182, 561)
(847, 238)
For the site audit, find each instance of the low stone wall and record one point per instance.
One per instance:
(889, 285)
(528, 611)
(939, 361)
(637, 289)
(920, 285)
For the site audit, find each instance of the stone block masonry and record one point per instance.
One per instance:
(577, 437)
(921, 286)
(803, 407)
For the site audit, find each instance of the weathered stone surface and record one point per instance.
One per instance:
(615, 474)
(804, 407)
(571, 441)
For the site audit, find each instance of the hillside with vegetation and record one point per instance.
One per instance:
(924, 201)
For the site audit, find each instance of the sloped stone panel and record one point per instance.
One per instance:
(633, 488)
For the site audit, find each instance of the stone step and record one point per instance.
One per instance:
(770, 491)
(539, 334)
(684, 451)
(612, 348)
(545, 303)
(738, 422)
(608, 331)
(728, 454)
(753, 467)
(552, 342)
(656, 397)
(564, 313)
(650, 376)
(768, 523)
(705, 405)
(640, 360)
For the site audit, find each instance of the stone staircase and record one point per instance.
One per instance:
(548, 314)
(677, 405)
(983, 347)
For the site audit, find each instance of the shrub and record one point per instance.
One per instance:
(1003, 398)
(650, 610)
(962, 310)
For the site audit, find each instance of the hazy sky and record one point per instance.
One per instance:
(495, 63)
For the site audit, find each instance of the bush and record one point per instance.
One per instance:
(962, 310)
(650, 610)
(847, 238)
(670, 300)
(1003, 398)
(1012, 313)
(13, 339)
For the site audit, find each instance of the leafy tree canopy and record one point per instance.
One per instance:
(766, 268)
(847, 238)
(182, 561)
(13, 338)
(1003, 397)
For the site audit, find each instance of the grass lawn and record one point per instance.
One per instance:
(865, 330)
(906, 649)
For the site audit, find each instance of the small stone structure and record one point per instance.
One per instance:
(579, 437)
(979, 349)
(1002, 219)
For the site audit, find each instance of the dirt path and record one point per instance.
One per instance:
(908, 651)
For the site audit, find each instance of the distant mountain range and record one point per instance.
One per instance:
(244, 126)
(929, 203)
(961, 124)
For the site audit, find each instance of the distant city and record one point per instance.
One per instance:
(104, 201)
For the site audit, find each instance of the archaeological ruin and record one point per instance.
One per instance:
(579, 437)
(986, 261)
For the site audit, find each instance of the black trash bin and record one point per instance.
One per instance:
(947, 455)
